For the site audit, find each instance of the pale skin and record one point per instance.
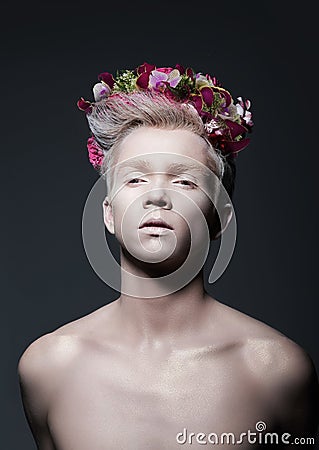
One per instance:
(136, 372)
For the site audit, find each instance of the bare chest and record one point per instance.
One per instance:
(137, 405)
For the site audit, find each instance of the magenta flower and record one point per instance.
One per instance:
(164, 69)
(95, 153)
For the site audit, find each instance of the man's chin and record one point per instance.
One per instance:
(154, 265)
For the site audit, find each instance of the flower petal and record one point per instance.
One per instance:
(160, 76)
(174, 78)
(164, 69)
(107, 78)
(234, 146)
(100, 91)
(240, 109)
(198, 102)
(235, 128)
(226, 96)
(145, 68)
(201, 81)
(95, 152)
(190, 73)
(156, 78)
(84, 105)
(142, 81)
(208, 95)
(180, 68)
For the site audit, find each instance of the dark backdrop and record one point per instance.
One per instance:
(51, 55)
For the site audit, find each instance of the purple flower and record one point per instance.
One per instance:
(160, 78)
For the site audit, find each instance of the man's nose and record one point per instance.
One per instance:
(157, 197)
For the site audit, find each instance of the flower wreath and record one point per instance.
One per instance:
(226, 123)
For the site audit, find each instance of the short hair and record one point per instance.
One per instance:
(114, 118)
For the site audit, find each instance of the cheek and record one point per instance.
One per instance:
(125, 214)
(192, 206)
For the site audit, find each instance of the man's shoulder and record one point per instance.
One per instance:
(268, 353)
(45, 355)
(284, 373)
(280, 368)
(277, 360)
(60, 347)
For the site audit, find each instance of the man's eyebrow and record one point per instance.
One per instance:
(142, 164)
(175, 168)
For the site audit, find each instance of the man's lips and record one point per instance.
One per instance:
(156, 223)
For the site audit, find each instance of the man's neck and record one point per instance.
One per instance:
(163, 321)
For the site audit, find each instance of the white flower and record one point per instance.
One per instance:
(100, 91)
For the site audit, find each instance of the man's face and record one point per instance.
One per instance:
(160, 175)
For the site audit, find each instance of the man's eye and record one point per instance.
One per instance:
(135, 180)
(185, 183)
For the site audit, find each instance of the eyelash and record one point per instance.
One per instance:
(191, 184)
(188, 181)
(130, 181)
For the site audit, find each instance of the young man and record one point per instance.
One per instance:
(166, 364)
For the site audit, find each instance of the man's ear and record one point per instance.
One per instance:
(108, 215)
(226, 215)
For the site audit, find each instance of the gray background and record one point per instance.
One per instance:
(51, 56)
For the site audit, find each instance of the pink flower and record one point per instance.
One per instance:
(164, 69)
(95, 153)
(243, 111)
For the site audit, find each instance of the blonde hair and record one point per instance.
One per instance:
(112, 119)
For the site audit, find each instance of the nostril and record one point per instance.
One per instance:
(163, 202)
(159, 202)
